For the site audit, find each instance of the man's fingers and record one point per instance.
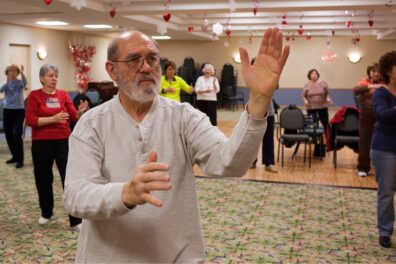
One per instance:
(265, 41)
(278, 45)
(272, 41)
(152, 156)
(154, 166)
(155, 176)
(285, 55)
(157, 186)
(152, 200)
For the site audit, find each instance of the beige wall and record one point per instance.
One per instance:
(304, 55)
(55, 42)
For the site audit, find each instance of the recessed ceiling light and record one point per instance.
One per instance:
(97, 26)
(52, 23)
(161, 37)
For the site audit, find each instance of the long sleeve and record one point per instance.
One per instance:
(32, 108)
(94, 197)
(198, 85)
(184, 86)
(384, 110)
(3, 87)
(216, 84)
(24, 81)
(105, 149)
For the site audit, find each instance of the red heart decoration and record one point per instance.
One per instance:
(308, 37)
(166, 16)
(357, 39)
(190, 29)
(348, 23)
(112, 12)
(284, 22)
(228, 32)
(371, 22)
(48, 2)
(300, 31)
(287, 38)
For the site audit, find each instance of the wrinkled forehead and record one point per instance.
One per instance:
(136, 43)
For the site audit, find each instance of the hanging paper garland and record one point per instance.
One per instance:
(78, 4)
(161, 29)
(217, 28)
(255, 6)
(112, 11)
(300, 30)
(371, 20)
(166, 15)
(284, 22)
(205, 24)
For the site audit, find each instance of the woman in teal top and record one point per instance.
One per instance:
(171, 85)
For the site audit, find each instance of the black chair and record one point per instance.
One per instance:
(94, 97)
(345, 133)
(291, 124)
(232, 98)
(316, 131)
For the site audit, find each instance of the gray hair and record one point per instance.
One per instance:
(209, 67)
(112, 49)
(46, 68)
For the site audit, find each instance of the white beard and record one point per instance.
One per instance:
(140, 94)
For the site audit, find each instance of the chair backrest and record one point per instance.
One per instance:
(291, 117)
(350, 123)
(94, 96)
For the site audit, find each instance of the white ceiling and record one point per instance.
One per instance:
(320, 18)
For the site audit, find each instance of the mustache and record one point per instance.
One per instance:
(145, 77)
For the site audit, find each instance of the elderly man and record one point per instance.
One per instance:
(130, 168)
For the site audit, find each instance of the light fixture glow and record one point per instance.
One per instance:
(354, 57)
(97, 26)
(237, 58)
(41, 54)
(161, 37)
(52, 23)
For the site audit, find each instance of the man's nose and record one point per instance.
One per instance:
(145, 67)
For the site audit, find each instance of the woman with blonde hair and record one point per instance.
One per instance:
(14, 112)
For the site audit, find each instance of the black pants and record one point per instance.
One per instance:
(13, 129)
(323, 114)
(268, 156)
(44, 153)
(209, 108)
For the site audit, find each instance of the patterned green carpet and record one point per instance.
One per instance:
(243, 222)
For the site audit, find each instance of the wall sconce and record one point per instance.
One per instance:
(237, 58)
(41, 54)
(354, 57)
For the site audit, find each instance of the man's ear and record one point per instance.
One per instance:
(110, 68)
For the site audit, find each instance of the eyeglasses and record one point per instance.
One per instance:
(136, 63)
